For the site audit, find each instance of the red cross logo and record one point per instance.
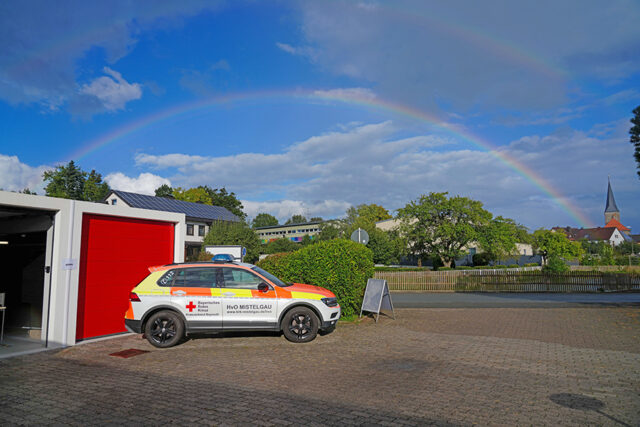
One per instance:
(191, 306)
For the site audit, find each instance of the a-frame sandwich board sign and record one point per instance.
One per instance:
(377, 297)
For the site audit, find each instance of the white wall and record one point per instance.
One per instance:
(61, 309)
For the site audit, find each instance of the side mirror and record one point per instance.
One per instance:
(263, 287)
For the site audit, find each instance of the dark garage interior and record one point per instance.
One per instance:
(23, 251)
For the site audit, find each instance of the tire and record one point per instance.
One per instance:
(300, 325)
(164, 329)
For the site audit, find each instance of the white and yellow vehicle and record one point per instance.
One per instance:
(179, 299)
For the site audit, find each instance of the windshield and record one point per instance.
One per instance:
(271, 277)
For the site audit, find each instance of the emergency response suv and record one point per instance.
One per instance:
(179, 299)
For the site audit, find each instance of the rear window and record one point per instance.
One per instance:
(201, 277)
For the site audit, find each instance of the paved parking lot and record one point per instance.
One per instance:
(507, 366)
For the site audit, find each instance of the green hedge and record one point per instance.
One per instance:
(342, 266)
(402, 269)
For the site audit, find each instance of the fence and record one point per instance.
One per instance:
(520, 280)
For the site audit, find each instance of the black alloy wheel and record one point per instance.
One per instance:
(300, 325)
(164, 329)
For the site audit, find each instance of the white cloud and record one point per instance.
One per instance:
(285, 209)
(486, 55)
(145, 183)
(305, 51)
(355, 93)
(42, 43)
(16, 176)
(114, 91)
(370, 164)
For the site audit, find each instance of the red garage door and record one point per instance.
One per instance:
(115, 256)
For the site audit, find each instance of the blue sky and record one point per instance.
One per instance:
(311, 107)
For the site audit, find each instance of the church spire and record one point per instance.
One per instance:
(611, 209)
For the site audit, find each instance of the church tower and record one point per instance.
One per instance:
(611, 211)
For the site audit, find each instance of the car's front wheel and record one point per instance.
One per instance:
(164, 329)
(300, 324)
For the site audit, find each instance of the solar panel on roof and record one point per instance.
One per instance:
(194, 210)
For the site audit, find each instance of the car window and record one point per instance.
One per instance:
(240, 279)
(204, 277)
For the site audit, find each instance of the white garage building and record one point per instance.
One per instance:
(69, 265)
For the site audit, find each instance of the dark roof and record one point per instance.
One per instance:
(611, 201)
(598, 233)
(191, 210)
(289, 225)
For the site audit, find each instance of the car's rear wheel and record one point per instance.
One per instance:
(300, 324)
(164, 329)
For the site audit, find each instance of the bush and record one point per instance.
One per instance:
(482, 267)
(463, 267)
(555, 264)
(500, 266)
(482, 259)
(531, 264)
(233, 233)
(513, 266)
(445, 268)
(342, 266)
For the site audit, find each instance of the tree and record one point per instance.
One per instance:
(264, 220)
(441, 226)
(555, 244)
(209, 196)
(635, 136)
(164, 191)
(280, 245)
(366, 214)
(315, 219)
(27, 191)
(498, 239)
(329, 230)
(296, 219)
(234, 233)
(384, 248)
(94, 189)
(70, 182)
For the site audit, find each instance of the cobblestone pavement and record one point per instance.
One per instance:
(568, 366)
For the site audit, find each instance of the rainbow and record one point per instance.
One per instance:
(359, 98)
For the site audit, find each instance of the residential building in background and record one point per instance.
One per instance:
(199, 216)
(293, 232)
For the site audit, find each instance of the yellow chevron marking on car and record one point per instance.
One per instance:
(305, 295)
(237, 293)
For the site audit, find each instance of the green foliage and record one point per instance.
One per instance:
(209, 196)
(551, 243)
(385, 249)
(482, 267)
(315, 219)
(498, 239)
(445, 268)
(464, 267)
(280, 245)
(555, 264)
(366, 215)
(164, 191)
(339, 265)
(70, 182)
(531, 264)
(296, 219)
(634, 138)
(234, 233)
(27, 191)
(330, 230)
(264, 220)
(513, 266)
(441, 226)
(482, 258)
